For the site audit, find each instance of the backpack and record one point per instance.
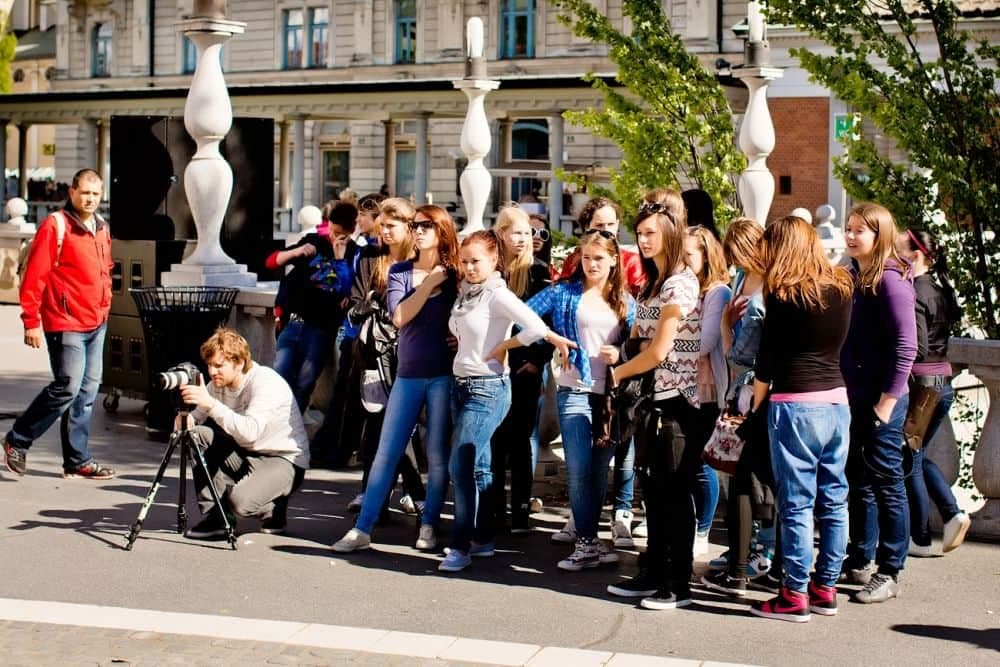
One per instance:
(22, 263)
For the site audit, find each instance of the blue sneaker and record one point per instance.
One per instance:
(455, 561)
(482, 550)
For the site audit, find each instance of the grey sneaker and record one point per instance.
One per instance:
(584, 556)
(426, 540)
(608, 555)
(880, 588)
(567, 535)
(353, 540)
(858, 576)
(17, 461)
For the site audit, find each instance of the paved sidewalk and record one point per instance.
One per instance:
(61, 542)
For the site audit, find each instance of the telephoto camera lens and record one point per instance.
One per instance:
(174, 379)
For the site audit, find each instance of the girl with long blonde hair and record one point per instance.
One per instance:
(808, 310)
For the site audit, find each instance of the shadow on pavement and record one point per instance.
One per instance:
(988, 639)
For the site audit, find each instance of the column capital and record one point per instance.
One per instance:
(423, 114)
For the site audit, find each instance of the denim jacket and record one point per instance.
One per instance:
(560, 302)
(746, 332)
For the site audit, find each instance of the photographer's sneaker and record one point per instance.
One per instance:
(822, 599)
(789, 605)
(209, 528)
(621, 530)
(567, 534)
(17, 461)
(353, 540)
(954, 531)
(356, 503)
(91, 470)
(880, 588)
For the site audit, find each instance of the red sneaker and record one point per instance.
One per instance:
(788, 606)
(822, 599)
(92, 470)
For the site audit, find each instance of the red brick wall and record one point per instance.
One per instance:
(801, 126)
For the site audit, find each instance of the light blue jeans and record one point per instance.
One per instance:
(407, 397)
(478, 405)
(77, 361)
(809, 445)
(586, 465)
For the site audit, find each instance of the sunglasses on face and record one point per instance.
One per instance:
(542, 234)
(422, 225)
(603, 232)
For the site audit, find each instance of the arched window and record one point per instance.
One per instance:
(102, 49)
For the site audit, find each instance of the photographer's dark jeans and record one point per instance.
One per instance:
(879, 514)
(77, 361)
(927, 482)
(340, 432)
(301, 352)
(511, 446)
(250, 485)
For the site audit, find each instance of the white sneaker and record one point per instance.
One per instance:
(407, 504)
(954, 531)
(621, 530)
(426, 540)
(641, 530)
(356, 503)
(920, 551)
(354, 540)
(700, 543)
(608, 556)
(567, 535)
(585, 556)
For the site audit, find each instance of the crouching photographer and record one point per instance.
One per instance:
(250, 430)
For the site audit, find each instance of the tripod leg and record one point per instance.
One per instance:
(199, 461)
(137, 525)
(182, 517)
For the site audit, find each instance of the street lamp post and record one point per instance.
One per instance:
(476, 140)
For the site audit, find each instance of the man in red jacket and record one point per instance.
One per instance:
(65, 299)
(603, 214)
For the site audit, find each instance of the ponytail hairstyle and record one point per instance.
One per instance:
(518, 269)
(488, 238)
(667, 209)
(921, 241)
(878, 219)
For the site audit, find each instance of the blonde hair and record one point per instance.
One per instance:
(741, 245)
(798, 270)
(878, 219)
(402, 210)
(714, 269)
(518, 268)
(231, 345)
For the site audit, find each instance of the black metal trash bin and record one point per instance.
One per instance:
(176, 321)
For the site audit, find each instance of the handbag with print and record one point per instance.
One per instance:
(724, 447)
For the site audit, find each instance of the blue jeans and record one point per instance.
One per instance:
(478, 405)
(624, 475)
(77, 361)
(927, 482)
(879, 513)
(407, 397)
(586, 465)
(809, 446)
(301, 353)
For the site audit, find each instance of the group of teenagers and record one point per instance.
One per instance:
(816, 360)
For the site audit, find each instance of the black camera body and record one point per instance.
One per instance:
(177, 376)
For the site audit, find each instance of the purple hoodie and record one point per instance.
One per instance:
(882, 341)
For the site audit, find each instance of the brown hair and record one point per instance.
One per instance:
(878, 219)
(491, 240)
(591, 207)
(666, 208)
(741, 245)
(231, 345)
(518, 270)
(798, 270)
(447, 236)
(714, 269)
(398, 209)
(616, 291)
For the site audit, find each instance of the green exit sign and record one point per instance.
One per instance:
(843, 124)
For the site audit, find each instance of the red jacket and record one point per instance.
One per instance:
(634, 275)
(75, 294)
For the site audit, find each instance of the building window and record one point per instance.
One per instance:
(406, 31)
(319, 22)
(336, 173)
(406, 172)
(292, 58)
(189, 56)
(517, 29)
(102, 49)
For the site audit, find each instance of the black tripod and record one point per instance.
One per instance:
(183, 438)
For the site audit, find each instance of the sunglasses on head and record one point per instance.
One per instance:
(542, 234)
(422, 225)
(368, 206)
(603, 232)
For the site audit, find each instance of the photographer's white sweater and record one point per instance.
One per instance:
(261, 416)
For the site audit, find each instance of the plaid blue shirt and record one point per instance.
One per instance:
(560, 302)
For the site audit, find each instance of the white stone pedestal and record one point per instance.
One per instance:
(12, 240)
(756, 184)
(208, 275)
(476, 141)
(982, 357)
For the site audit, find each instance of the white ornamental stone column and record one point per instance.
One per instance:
(476, 139)
(756, 184)
(208, 178)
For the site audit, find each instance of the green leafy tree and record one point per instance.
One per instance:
(672, 122)
(8, 44)
(921, 80)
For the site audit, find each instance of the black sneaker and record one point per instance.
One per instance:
(663, 599)
(276, 523)
(768, 583)
(722, 582)
(880, 588)
(209, 528)
(17, 461)
(520, 524)
(91, 470)
(639, 586)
